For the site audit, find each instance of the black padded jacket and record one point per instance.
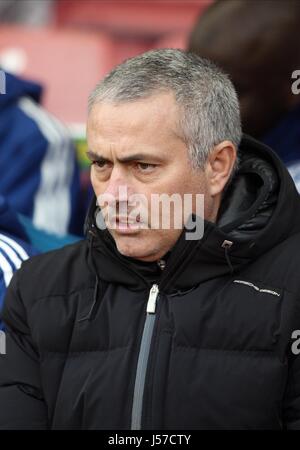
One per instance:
(95, 340)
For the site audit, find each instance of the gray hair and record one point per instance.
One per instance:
(207, 100)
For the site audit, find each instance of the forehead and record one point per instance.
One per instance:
(151, 120)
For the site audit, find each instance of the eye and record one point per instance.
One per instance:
(145, 167)
(100, 164)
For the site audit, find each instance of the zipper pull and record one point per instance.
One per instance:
(151, 304)
(161, 264)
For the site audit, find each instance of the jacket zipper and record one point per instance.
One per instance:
(144, 352)
(143, 358)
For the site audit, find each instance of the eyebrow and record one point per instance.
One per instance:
(134, 157)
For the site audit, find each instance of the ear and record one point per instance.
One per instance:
(219, 166)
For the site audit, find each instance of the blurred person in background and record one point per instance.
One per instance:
(27, 12)
(15, 246)
(257, 43)
(39, 183)
(38, 166)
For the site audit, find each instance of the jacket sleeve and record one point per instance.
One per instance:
(291, 404)
(22, 405)
(292, 397)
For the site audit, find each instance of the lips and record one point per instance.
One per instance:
(126, 220)
(123, 226)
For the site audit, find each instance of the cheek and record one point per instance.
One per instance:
(174, 186)
(98, 187)
(93, 178)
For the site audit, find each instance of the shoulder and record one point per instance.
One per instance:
(279, 266)
(57, 272)
(46, 293)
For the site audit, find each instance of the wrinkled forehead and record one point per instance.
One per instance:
(154, 117)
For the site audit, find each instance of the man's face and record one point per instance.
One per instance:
(134, 146)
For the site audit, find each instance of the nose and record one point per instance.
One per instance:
(117, 186)
(117, 192)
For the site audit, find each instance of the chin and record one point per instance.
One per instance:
(134, 248)
(130, 246)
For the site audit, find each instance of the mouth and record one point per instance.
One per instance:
(125, 219)
(125, 225)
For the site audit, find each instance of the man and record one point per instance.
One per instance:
(257, 44)
(139, 327)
